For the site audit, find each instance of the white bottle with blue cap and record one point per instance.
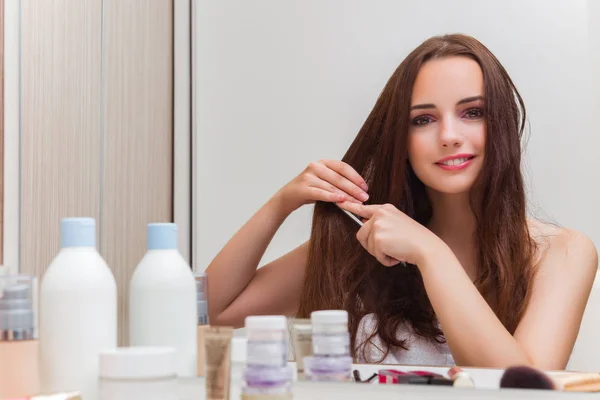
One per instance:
(78, 312)
(162, 299)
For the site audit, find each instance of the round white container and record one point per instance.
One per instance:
(147, 373)
(162, 300)
(267, 341)
(78, 312)
(330, 333)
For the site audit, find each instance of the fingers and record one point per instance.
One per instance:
(348, 172)
(368, 241)
(321, 184)
(318, 194)
(363, 235)
(331, 176)
(365, 211)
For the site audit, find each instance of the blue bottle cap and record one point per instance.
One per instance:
(162, 236)
(78, 232)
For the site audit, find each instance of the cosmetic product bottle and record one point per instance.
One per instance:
(147, 373)
(202, 310)
(217, 349)
(78, 312)
(267, 374)
(19, 348)
(331, 359)
(162, 299)
(267, 341)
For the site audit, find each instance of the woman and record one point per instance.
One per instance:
(435, 174)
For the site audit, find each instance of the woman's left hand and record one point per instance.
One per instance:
(390, 235)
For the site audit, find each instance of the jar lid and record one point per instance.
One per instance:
(266, 322)
(138, 363)
(329, 317)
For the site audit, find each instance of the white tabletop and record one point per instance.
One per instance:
(486, 382)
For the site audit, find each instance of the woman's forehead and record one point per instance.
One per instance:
(447, 80)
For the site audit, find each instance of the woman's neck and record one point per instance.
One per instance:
(454, 222)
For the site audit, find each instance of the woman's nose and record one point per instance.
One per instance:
(449, 134)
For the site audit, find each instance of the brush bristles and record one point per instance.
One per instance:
(523, 377)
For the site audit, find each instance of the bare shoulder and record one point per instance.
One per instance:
(562, 246)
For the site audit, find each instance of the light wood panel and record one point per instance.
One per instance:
(61, 119)
(138, 133)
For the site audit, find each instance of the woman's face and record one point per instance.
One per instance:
(446, 140)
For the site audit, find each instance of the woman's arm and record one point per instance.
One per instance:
(476, 337)
(236, 288)
(559, 296)
(549, 327)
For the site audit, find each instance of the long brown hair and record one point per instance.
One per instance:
(342, 275)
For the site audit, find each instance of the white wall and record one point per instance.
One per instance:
(594, 28)
(278, 84)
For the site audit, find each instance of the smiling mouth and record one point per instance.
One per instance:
(456, 161)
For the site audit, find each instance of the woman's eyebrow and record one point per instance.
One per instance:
(430, 105)
(470, 99)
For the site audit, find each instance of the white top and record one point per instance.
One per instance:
(421, 350)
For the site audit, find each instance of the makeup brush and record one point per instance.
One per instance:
(522, 377)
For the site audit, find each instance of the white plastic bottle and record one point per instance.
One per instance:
(78, 312)
(162, 299)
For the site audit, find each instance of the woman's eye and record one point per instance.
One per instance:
(474, 113)
(422, 120)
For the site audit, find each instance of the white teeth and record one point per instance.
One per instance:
(455, 161)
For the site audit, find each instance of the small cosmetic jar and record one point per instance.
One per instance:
(330, 333)
(267, 341)
(147, 373)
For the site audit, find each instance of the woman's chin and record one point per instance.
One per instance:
(455, 188)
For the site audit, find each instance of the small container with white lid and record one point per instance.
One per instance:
(148, 373)
(330, 333)
(267, 341)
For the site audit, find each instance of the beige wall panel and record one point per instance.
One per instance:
(138, 133)
(61, 117)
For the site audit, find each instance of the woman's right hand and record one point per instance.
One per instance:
(326, 180)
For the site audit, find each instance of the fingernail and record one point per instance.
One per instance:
(364, 186)
(363, 196)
